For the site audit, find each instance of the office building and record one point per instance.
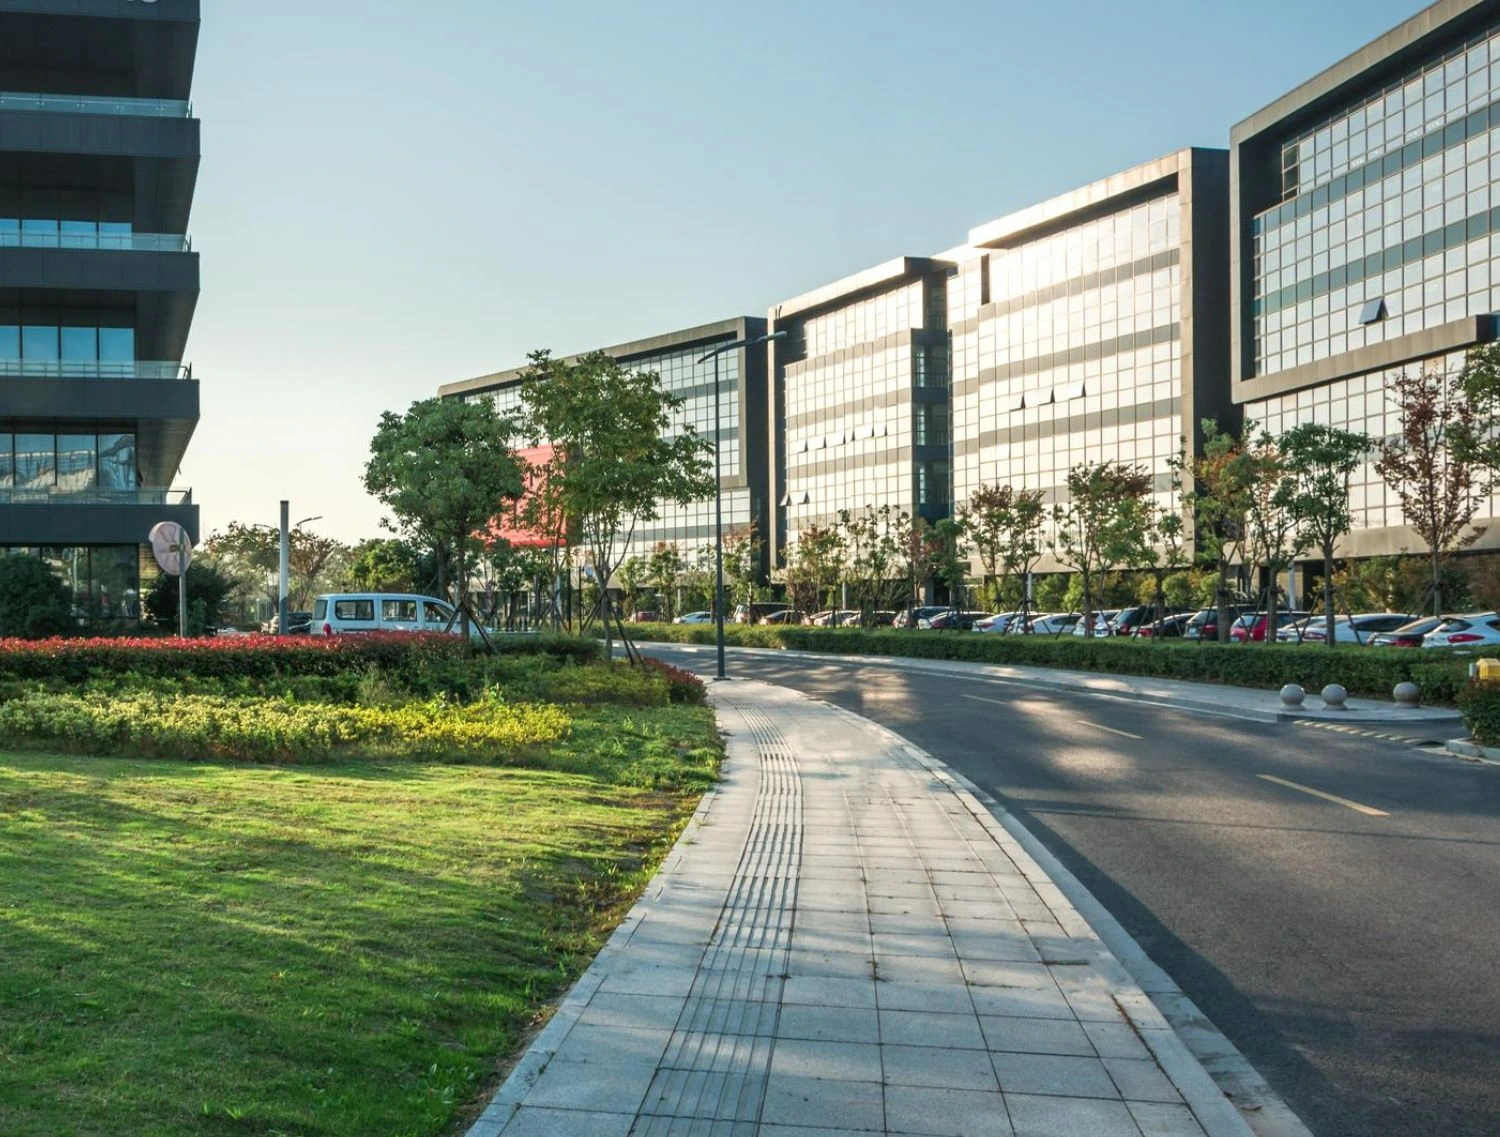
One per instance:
(1092, 327)
(858, 403)
(99, 158)
(1366, 225)
(678, 358)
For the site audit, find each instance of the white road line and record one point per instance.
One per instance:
(1369, 811)
(1112, 730)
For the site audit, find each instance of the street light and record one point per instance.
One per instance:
(719, 489)
(284, 582)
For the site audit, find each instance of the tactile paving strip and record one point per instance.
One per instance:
(712, 1079)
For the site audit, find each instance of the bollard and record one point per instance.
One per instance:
(1335, 698)
(1292, 696)
(1407, 694)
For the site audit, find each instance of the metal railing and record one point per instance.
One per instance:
(94, 242)
(58, 496)
(96, 104)
(92, 369)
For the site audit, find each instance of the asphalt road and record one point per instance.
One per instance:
(1353, 958)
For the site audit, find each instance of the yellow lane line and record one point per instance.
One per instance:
(1369, 811)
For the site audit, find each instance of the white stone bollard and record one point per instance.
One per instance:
(1335, 698)
(1407, 695)
(1292, 696)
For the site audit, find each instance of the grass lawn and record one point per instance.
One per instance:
(344, 949)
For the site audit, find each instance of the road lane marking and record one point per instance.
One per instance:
(1369, 811)
(1112, 730)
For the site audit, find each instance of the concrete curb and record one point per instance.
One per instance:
(544, 1046)
(1473, 752)
(1164, 1018)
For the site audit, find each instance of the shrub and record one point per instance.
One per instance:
(1363, 671)
(1480, 703)
(683, 686)
(33, 602)
(208, 589)
(276, 730)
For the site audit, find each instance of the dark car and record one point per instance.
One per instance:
(1168, 628)
(909, 617)
(950, 620)
(785, 616)
(1204, 626)
(1408, 635)
(1132, 621)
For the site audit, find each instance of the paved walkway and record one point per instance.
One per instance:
(1211, 698)
(846, 942)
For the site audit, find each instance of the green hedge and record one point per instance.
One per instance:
(1363, 671)
(1480, 703)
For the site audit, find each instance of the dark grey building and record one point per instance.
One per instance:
(858, 404)
(1366, 225)
(1093, 326)
(99, 156)
(676, 357)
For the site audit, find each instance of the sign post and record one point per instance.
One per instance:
(173, 549)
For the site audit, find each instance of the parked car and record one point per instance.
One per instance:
(1295, 632)
(1356, 629)
(757, 612)
(785, 616)
(297, 624)
(1169, 627)
(1104, 623)
(351, 613)
(1204, 626)
(951, 620)
(912, 617)
(998, 624)
(1133, 621)
(1479, 629)
(645, 616)
(833, 618)
(1054, 625)
(1408, 635)
(695, 618)
(1251, 627)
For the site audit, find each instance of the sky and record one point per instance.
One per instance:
(397, 194)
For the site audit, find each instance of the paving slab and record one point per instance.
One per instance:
(847, 941)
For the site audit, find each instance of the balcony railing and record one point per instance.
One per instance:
(92, 369)
(115, 242)
(59, 496)
(96, 104)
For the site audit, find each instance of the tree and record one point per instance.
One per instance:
(615, 456)
(1428, 465)
(444, 469)
(1321, 461)
(34, 602)
(209, 588)
(1271, 528)
(916, 552)
(663, 571)
(872, 543)
(1005, 526)
(1215, 486)
(388, 564)
(948, 556)
(743, 550)
(632, 575)
(1102, 521)
(813, 564)
(1159, 549)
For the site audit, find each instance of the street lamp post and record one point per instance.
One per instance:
(719, 491)
(284, 582)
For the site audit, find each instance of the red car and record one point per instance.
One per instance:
(1251, 627)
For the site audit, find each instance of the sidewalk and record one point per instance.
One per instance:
(845, 941)
(1211, 698)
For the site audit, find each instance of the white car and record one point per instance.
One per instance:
(1479, 629)
(353, 613)
(695, 618)
(1103, 623)
(1357, 629)
(998, 624)
(1057, 624)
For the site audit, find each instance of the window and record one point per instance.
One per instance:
(355, 611)
(398, 611)
(434, 613)
(1373, 312)
(320, 610)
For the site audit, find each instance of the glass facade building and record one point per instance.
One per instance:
(99, 155)
(1366, 227)
(1091, 327)
(859, 403)
(678, 358)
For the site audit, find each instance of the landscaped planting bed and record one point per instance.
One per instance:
(1363, 671)
(348, 942)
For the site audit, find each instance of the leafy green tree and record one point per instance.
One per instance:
(813, 564)
(916, 550)
(1321, 460)
(1271, 529)
(872, 544)
(1050, 592)
(743, 551)
(444, 469)
(34, 603)
(616, 456)
(1004, 525)
(1215, 487)
(949, 557)
(208, 591)
(663, 573)
(1429, 464)
(631, 577)
(1107, 511)
(388, 564)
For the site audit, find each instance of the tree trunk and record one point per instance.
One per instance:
(1270, 605)
(1088, 605)
(463, 590)
(1437, 582)
(1328, 594)
(1223, 600)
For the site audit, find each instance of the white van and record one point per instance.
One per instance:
(343, 613)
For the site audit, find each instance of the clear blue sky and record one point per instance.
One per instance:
(398, 194)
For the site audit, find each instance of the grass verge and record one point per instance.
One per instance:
(320, 951)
